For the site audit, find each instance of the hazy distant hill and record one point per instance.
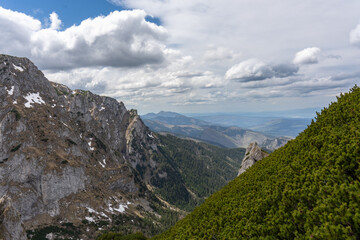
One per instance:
(276, 125)
(283, 126)
(230, 137)
(174, 119)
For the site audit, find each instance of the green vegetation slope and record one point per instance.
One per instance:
(309, 189)
(191, 171)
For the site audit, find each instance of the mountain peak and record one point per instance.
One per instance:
(59, 147)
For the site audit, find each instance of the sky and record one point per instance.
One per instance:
(192, 56)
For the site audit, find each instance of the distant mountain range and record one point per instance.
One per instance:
(224, 136)
(276, 123)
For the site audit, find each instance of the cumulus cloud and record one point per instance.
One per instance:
(176, 78)
(55, 21)
(120, 39)
(16, 30)
(355, 36)
(295, 87)
(307, 56)
(256, 70)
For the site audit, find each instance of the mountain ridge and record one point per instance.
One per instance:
(74, 164)
(230, 137)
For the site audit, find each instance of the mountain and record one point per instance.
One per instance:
(283, 126)
(74, 164)
(308, 189)
(226, 119)
(271, 124)
(173, 119)
(229, 137)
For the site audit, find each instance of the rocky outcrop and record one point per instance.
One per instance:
(11, 226)
(253, 154)
(67, 155)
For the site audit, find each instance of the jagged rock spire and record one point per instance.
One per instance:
(252, 155)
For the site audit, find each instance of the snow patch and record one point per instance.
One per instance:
(91, 210)
(11, 91)
(103, 163)
(33, 98)
(90, 219)
(121, 208)
(110, 208)
(18, 68)
(89, 143)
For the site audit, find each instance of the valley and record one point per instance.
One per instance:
(223, 136)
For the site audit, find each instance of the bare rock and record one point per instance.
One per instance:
(253, 154)
(64, 149)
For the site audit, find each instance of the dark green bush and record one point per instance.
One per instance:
(17, 114)
(118, 236)
(14, 149)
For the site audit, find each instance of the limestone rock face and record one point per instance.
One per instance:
(66, 155)
(252, 155)
(12, 225)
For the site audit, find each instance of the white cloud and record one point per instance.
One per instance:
(355, 36)
(116, 2)
(120, 39)
(295, 87)
(196, 59)
(249, 70)
(256, 70)
(218, 54)
(55, 21)
(16, 29)
(307, 56)
(175, 79)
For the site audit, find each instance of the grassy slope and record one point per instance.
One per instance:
(308, 189)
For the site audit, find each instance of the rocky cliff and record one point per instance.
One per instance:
(68, 158)
(252, 155)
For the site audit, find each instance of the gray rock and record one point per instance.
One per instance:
(252, 155)
(11, 224)
(62, 149)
